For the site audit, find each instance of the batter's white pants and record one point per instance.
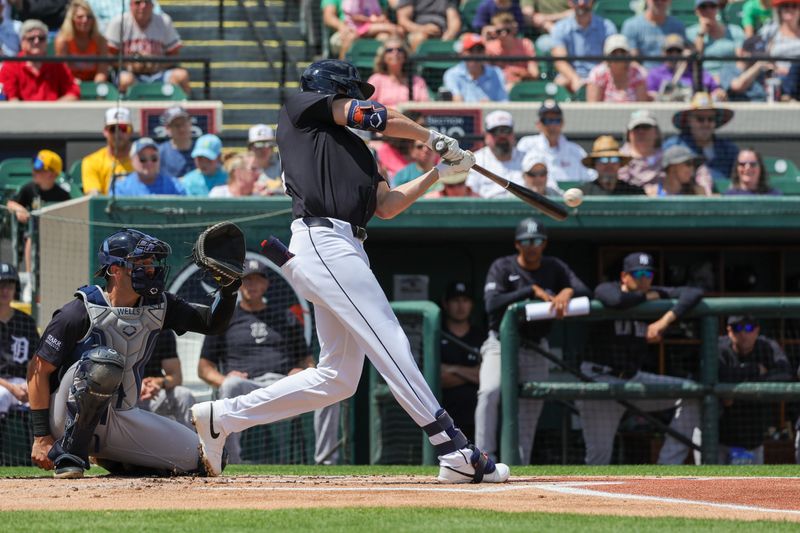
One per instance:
(600, 418)
(353, 318)
(532, 367)
(326, 420)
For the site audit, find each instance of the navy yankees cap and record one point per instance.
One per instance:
(254, 266)
(530, 228)
(457, 288)
(638, 261)
(742, 319)
(8, 273)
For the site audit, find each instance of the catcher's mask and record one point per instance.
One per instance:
(131, 249)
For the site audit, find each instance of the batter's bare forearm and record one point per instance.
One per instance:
(402, 127)
(392, 202)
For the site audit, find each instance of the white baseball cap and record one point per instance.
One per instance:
(498, 118)
(616, 42)
(533, 158)
(118, 115)
(260, 133)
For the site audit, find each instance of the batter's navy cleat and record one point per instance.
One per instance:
(212, 439)
(68, 466)
(470, 465)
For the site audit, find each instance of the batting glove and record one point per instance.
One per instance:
(450, 168)
(445, 146)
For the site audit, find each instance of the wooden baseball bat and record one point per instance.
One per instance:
(532, 198)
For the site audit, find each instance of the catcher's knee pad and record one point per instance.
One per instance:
(443, 423)
(97, 377)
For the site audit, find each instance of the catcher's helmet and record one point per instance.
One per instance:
(333, 76)
(124, 248)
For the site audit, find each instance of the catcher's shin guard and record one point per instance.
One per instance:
(97, 377)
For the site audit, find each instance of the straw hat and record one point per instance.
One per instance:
(605, 146)
(701, 101)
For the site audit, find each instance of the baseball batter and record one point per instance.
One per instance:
(335, 187)
(86, 376)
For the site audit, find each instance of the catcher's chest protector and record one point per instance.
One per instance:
(132, 331)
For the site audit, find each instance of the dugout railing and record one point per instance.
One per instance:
(707, 388)
(394, 438)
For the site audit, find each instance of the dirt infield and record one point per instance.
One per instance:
(695, 497)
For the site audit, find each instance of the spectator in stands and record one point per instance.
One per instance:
(755, 14)
(501, 40)
(41, 190)
(488, 9)
(643, 146)
(513, 278)
(680, 165)
(112, 161)
(162, 391)
(242, 176)
(9, 38)
(499, 155)
(460, 361)
(106, 10)
(343, 35)
(784, 36)
(369, 21)
(646, 32)
(746, 356)
(750, 175)
(261, 144)
(713, 38)
(141, 33)
(422, 160)
(35, 80)
(452, 186)
(176, 152)
(617, 353)
(475, 81)
(563, 156)
(209, 172)
(393, 155)
(607, 160)
(263, 343)
(543, 15)
(582, 34)
(391, 73)
(429, 19)
(697, 126)
(673, 80)
(17, 344)
(50, 12)
(617, 80)
(147, 177)
(79, 36)
(534, 172)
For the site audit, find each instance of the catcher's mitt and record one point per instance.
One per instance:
(220, 250)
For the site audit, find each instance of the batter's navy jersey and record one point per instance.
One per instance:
(18, 339)
(507, 282)
(328, 170)
(257, 342)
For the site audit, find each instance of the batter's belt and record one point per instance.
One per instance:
(322, 222)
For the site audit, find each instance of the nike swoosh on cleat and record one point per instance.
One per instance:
(214, 434)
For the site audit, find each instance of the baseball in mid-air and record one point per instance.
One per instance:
(573, 197)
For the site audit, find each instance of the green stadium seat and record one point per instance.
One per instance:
(74, 179)
(783, 174)
(98, 91)
(155, 91)
(537, 91)
(468, 11)
(14, 173)
(547, 69)
(433, 70)
(684, 11)
(617, 11)
(362, 55)
(732, 14)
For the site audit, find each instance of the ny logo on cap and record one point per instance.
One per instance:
(644, 260)
(533, 227)
(461, 287)
(5, 268)
(253, 265)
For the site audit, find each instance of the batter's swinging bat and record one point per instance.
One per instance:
(533, 199)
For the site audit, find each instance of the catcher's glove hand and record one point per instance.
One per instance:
(220, 250)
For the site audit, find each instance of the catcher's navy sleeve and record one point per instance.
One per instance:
(183, 316)
(68, 326)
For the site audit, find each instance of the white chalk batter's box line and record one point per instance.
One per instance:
(572, 488)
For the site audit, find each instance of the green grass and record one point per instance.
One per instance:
(354, 520)
(543, 470)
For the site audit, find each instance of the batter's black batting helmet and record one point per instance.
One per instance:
(334, 76)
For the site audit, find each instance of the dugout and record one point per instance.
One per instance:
(733, 246)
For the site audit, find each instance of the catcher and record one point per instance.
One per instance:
(85, 378)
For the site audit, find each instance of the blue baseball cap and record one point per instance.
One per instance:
(638, 261)
(141, 144)
(208, 146)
